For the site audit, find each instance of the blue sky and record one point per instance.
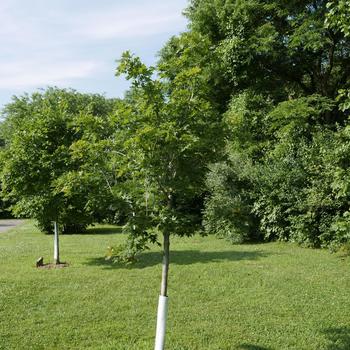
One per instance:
(75, 43)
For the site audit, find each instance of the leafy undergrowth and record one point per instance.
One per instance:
(250, 297)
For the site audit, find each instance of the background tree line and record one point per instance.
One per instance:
(244, 133)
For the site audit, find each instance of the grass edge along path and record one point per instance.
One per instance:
(254, 297)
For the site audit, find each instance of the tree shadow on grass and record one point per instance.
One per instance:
(180, 257)
(339, 338)
(93, 230)
(252, 347)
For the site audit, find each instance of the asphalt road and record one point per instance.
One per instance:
(7, 224)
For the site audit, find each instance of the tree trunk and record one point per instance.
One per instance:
(56, 250)
(163, 298)
(165, 267)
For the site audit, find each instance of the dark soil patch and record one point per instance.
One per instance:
(53, 266)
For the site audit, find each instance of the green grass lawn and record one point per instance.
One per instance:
(252, 297)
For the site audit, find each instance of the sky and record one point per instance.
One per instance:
(75, 43)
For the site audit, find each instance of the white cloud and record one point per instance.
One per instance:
(12, 29)
(19, 75)
(133, 21)
(61, 23)
(126, 28)
(72, 43)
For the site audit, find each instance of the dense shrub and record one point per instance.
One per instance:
(228, 209)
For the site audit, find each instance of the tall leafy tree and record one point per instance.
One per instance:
(287, 69)
(277, 47)
(170, 132)
(53, 168)
(338, 19)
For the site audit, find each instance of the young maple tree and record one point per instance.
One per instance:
(169, 132)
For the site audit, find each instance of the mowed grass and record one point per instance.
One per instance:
(250, 297)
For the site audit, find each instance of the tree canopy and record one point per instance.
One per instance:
(167, 133)
(287, 65)
(55, 157)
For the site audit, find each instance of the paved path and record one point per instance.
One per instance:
(7, 224)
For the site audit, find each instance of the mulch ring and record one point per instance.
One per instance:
(53, 266)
